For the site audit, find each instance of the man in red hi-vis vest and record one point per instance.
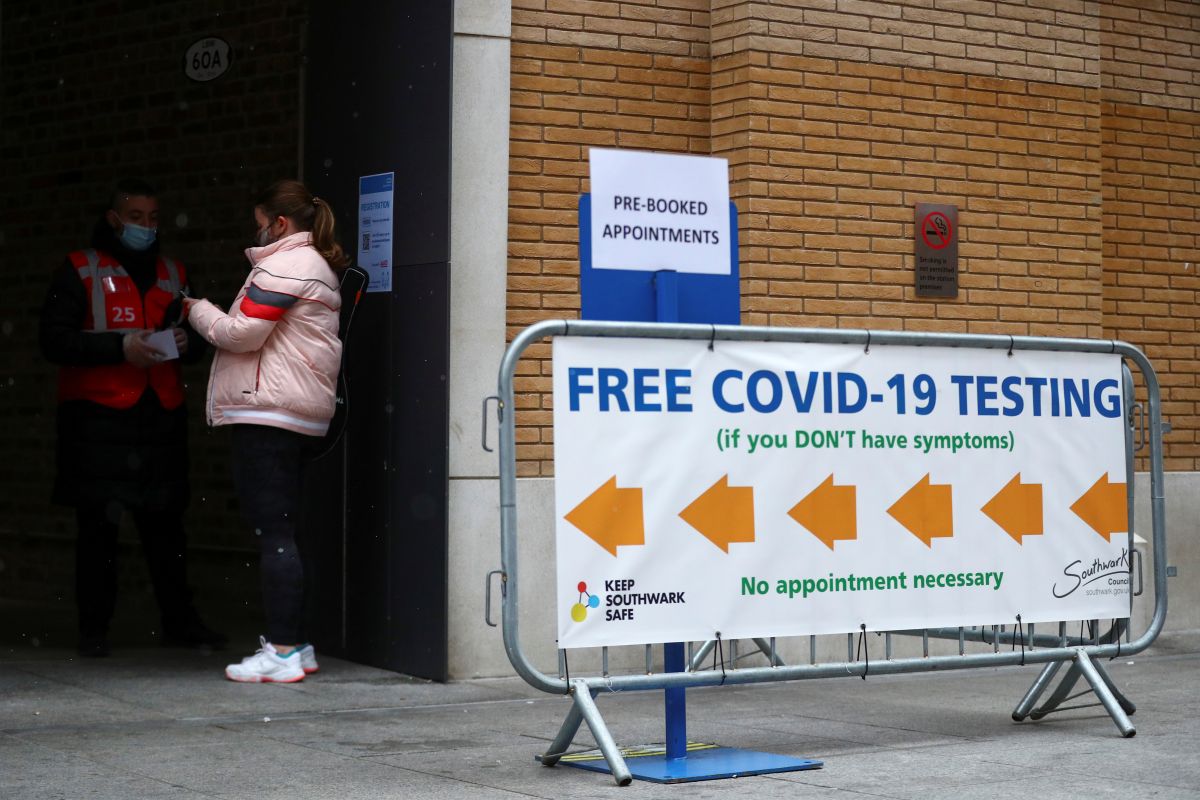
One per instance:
(122, 421)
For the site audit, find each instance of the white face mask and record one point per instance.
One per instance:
(263, 237)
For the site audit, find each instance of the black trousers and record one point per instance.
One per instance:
(165, 548)
(267, 473)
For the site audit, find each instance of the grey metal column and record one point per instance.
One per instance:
(701, 654)
(1031, 697)
(1126, 704)
(1100, 687)
(566, 735)
(765, 648)
(587, 707)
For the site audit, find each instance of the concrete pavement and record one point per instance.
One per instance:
(156, 723)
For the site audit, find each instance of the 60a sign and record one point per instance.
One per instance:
(207, 59)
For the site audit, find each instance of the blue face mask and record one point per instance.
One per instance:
(137, 237)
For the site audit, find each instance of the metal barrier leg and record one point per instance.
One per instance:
(1031, 697)
(1126, 704)
(704, 652)
(1060, 694)
(771, 655)
(587, 708)
(1100, 687)
(566, 735)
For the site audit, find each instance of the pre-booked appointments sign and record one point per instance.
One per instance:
(773, 489)
(659, 211)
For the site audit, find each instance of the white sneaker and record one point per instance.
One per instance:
(266, 666)
(308, 659)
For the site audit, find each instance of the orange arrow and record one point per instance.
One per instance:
(828, 512)
(1104, 507)
(610, 516)
(926, 511)
(1017, 508)
(724, 514)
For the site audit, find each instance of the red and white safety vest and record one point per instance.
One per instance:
(117, 306)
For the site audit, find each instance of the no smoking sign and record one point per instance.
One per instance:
(936, 253)
(936, 230)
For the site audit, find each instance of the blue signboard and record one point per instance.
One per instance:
(664, 296)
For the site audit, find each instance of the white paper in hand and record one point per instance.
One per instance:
(164, 342)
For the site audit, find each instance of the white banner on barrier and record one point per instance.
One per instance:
(777, 489)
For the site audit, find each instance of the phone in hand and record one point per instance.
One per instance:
(173, 314)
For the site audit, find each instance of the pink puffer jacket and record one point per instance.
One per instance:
(278, 350)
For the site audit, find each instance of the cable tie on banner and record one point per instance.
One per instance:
(863, 650)
(712, 337)
(1020, 635)
(1011, 342)
(1117, 638)
(867, 349)
(720, 650)
(566, 666)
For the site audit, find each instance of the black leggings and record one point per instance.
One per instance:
(267, 472)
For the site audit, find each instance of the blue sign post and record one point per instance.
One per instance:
(630, 295)
(673, 296)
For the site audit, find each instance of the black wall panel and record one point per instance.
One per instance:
(378, 100)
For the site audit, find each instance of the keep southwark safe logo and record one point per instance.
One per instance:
(586, 600)
(621, 600)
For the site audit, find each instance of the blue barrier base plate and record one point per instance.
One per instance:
(703, 763)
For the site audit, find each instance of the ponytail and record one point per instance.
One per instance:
(292, 199)
(323, 236)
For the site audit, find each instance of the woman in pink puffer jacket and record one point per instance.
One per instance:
(273, 380)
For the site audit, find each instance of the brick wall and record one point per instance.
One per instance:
(586, 74)
(841, 151)
(93, 91)
(837, 116)
(1151, 52)
(1151, 169)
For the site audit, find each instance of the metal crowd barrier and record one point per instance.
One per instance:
(1083, 652)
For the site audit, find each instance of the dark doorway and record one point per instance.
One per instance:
(93, 91)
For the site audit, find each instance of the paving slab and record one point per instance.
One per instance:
(512, 768)
(31, 771)
(157, 723)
